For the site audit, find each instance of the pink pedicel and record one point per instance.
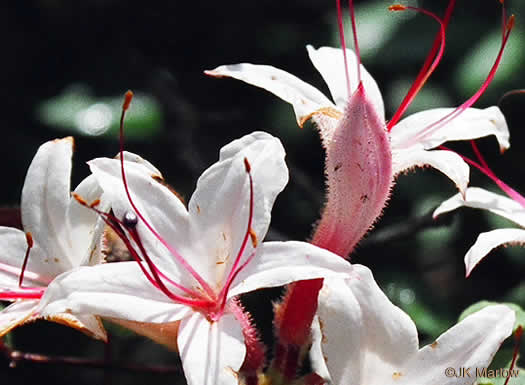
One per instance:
(359, 176)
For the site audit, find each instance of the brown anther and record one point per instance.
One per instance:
(29, 239)
(127, 100)
(397, 7)
(253, 237)
(247, 165)
(511, 22)
(79, 199)
(95, 203)
(502, 1)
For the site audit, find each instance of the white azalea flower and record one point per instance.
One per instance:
(64, 235)
(195, 260)
(363, 339)
(501, 205)
(411, 138)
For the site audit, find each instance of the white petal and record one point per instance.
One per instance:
(486, 242)
(16, 314)
(472, 123)
(45, 198)
(219, 207)
(482, 199)
(85, 225)
(40, 269)
(317, 358)
(132, 157)
(161, 208)
(117, 290)
(366, 338)
(448, 162)
(330, 64)
(279, 263)
(211, 352)
(470, 344)
(341, 324)
(304, 97)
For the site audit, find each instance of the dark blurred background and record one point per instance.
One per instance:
(66, 66)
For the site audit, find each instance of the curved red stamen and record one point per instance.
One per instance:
(178, 257)
(431, 62)
(29, 240)
(234, 271)
(474, 98)
(356, 44)
(479, 156)
(162, 287)
(22, 293)
(513, 194)
(155, 276)
(515, 354)
(343, 44)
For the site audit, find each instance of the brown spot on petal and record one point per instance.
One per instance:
(338, 166)
(233, 372)
(56, 259)
(253, 237)
(273, 77)
(198, 209)
(327, 111)
(397, 375)
(321, 327)
(434, 344)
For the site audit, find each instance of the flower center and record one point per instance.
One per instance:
(202, 298)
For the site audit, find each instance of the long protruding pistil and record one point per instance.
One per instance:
(175, 253)
(343, 44)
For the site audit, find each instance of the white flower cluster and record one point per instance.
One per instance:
(191, 263)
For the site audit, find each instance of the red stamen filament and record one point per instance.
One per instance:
(515, 354)
(29, 240)
(356, 44)
(154, 276)
(234, 271)
(431, 62)
(483, 167)
(178, 257)
(454, 114)
(343, 44)
(22, 293)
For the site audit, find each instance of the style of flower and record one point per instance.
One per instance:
(508, 208)
(361, 338)
(59, 236)
(192, 263)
